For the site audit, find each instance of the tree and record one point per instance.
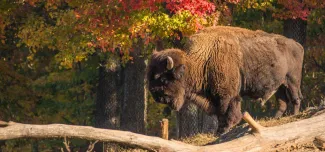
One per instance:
(79, 32)
(133, 108)
(188, 121)
(208, 124)
(295, 29)
(295, 24)
(109, 93)
(294, 13)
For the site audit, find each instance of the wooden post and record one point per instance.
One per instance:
(164, 128)
(252, 123)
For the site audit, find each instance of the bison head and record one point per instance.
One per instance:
(166, 77)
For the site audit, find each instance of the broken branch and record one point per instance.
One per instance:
(91, 146)
(257, 128)
(66, 144)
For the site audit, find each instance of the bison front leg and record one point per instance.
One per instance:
(206, 105)
(229, 114)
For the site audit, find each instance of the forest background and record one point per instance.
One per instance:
(83, 62)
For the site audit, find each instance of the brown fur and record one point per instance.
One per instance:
(221, 64)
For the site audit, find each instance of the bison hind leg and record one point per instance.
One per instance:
(293, 90)
(282, 99)
(295, 96)
(232, 116)
(284, 95)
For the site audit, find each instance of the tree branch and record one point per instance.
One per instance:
(66, 144)
(300, 131)
(91, 146)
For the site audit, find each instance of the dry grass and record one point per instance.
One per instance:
(269, 122)
(200, 139)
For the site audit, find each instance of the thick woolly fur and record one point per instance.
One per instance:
(221, 64)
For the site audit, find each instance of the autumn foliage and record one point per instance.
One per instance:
(197, 7)
(111, 24)
(294, 9)
(297, 9)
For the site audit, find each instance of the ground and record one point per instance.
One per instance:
(204, 139)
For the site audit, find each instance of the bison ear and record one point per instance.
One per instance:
(179, 71)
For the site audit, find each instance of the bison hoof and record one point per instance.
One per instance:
(278, 114)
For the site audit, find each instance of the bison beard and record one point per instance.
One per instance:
(220, 65)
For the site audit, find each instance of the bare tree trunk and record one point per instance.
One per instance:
(191, 121)
(109, 95)
(295, 29)
(133, 108)
(188, 121)
(208, 124)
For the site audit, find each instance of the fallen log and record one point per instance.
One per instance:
(15, 130)
(260, 139)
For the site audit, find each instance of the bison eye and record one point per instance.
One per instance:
(163, 80)
(156, 76)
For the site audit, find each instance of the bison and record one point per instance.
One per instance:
(219, 65)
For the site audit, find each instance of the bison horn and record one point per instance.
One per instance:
(170, 63)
